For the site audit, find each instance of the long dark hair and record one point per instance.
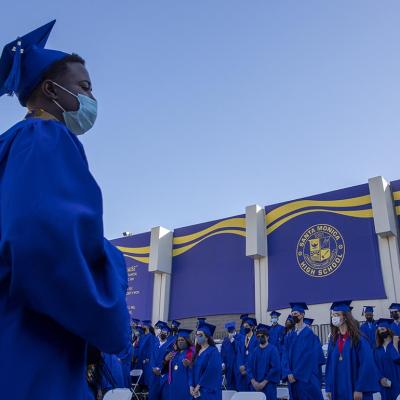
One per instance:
(379, 340)
(353, 328)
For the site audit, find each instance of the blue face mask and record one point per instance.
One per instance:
(80, 121)
(200, 339)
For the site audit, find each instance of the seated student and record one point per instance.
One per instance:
(276, 331)
(228, 354)
(395, 314)
(246, 346)
(263, 367)
(368, 328)
(387, 359)
(206, 378)
(350, 369)
(179, 361)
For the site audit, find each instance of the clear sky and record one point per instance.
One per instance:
(207, 106)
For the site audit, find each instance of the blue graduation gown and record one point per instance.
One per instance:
(229, 355)
(369, 329)
(276, 334)
(264, 364)
(242, 358)
(178, 385)
(112, 373)
(206, 372)
(355, 373)
(145, 351)
(300, 358)
(62, 285)
(395, 328)
(388, 363)
(126, 363)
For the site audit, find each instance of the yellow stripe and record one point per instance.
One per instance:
(396, 195)
(397, 210)
(228, 223)
(296, 205)
(356, 213)
(184, 249)
(144, 260)
(134, 250)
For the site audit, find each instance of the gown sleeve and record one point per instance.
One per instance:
(274, 367)
(52, 238)
(329, 367)
(212, 372)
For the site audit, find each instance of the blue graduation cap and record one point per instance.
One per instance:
(384, 323)
(262, 328)
(275, 314)
(175, 324)
(343, 306)
(299, 307)
(135, 320)
(165, 328)
(394, 307)
(243, 317)
(230, 326)
(184, 333)
(368, 309)
(207, 328)
(251, 321)
(146, 323)
(160, 324)
(140, 330)
(24, 61)
(308, 321)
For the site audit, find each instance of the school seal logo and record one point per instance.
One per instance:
(320, 250)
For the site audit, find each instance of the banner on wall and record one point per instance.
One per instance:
(211, 274)
(139, 297)
(323, 248)
(395, 187)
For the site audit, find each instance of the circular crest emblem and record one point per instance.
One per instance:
(320, 250)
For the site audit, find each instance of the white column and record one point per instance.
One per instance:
(256, 248)
(385, 222)
(160, 263)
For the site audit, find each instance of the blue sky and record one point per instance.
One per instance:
(208, 106)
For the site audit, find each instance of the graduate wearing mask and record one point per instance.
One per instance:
(387, 359)
(229, 352)
(62, 285)
(264, 365)
(206, 378)
(246, 346)
(179, 362)
(395, 315)
(368, 328)
(243, 318)
(300, 359)
(276, 331)
(350, 369)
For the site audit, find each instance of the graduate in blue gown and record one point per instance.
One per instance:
(368, 328)
(174, 329)
(300, 358)
(179, 363)
(276, 331)
(395, 315)
(243, 318)
(387, 360)
(62, 285)
(350, 369)
(147, 341)
(246, 345)
(206, 376)
(159, 365)
(264, 365)
(112, 375)
(229, 352)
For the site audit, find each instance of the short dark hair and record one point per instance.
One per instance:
(56, 70)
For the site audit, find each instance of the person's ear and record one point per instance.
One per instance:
(49, 89)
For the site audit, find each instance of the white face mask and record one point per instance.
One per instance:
(274, 320)
(336, 321)
(157, 331)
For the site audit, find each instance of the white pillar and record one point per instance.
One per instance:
(385, 222)
(160, 263)
(256, 248)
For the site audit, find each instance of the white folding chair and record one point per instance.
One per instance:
(377, 396)
(136, 374)
(228, 394)
(118, 394)
(324, 395)
(249, 396)
(282, 393)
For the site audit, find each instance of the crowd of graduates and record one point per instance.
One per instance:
(181, 364)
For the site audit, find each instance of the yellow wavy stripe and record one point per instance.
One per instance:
(397, 210)
(296, 205)
(144, 260)
(134, 250)
(396, 195)
(228, 223)
(356, 213)
(184, 249)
